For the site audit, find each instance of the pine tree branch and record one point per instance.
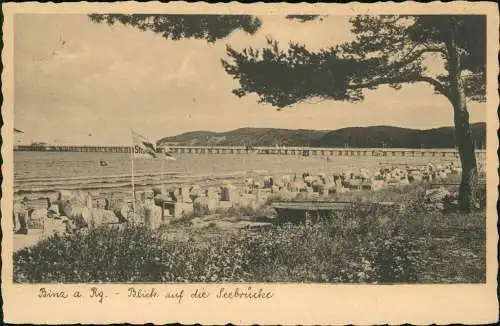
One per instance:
(407, 59)
(400, 80)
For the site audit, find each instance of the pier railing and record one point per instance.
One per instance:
(298, 151)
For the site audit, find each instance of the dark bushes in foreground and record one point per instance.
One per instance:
(387, 248)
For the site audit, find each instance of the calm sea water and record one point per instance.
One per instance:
(44, 172)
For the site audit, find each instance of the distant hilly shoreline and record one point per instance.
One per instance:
(360, 137)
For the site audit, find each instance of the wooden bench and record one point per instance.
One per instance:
(299, 211)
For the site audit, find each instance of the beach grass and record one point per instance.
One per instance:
(409, 245)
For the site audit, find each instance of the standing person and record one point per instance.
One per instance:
(21, 216)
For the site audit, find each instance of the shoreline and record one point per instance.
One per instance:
(121, 182)
(108, 187)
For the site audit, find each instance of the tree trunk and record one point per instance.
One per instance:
(463, 135)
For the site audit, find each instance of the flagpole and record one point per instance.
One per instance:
(143, 147)
(162, 176)
(133, 181)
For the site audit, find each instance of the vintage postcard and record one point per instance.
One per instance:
(250, 164)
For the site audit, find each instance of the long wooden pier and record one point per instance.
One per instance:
(64, 148)
(297, 151)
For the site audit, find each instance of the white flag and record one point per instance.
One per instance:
(143, 148)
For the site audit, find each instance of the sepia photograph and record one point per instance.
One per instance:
(248, 149)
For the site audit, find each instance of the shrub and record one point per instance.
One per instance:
(354, 246)
(319, 252)
(102, 254)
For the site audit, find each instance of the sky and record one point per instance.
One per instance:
(77, 82)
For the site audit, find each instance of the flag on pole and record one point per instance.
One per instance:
(142, 148)
(167, 151)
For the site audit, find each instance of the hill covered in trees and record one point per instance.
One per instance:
(370, 137)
